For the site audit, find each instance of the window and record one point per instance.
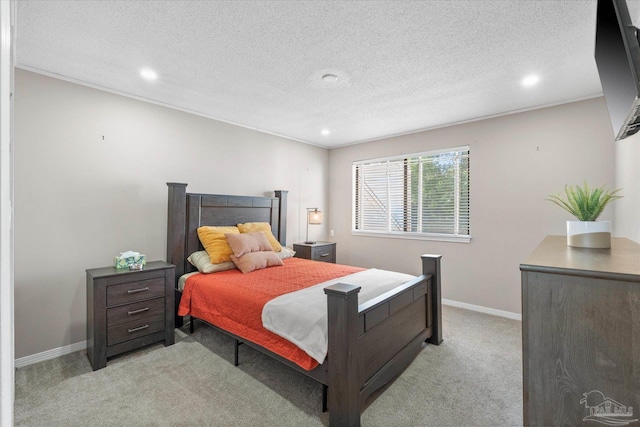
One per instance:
(424, 195)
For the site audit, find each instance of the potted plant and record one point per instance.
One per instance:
(586, 204)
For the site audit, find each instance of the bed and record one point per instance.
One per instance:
(369, 344)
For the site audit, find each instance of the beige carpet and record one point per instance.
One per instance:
(474, 378)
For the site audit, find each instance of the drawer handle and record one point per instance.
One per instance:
(139, 328)
(324, 255)
(133, 291)
(138, 311)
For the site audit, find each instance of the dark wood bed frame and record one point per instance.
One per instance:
(369, 344)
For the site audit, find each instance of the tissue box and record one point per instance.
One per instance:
(126, 262)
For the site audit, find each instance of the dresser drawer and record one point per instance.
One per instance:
(130, 312)
(135, 291)
(135, 329)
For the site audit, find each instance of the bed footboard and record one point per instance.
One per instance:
(373, 343)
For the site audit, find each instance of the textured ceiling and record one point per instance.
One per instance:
(402, 66)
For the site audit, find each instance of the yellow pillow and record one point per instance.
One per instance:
(215, 243)
(252, 227)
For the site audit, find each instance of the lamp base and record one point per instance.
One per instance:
(309, 243)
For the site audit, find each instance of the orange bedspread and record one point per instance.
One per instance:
(233, 301)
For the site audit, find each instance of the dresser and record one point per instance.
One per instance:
(581, 334)
(128, 309)
(318, 251)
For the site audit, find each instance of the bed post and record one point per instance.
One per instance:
(431, 265)
(282, 216)
(344, 389)
(176, 224)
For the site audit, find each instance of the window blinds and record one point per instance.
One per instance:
(420, 193)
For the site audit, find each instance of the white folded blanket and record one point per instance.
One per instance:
(301, 316)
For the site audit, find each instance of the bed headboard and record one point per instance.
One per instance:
(188, 211)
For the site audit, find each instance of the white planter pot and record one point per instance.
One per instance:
(589, 234)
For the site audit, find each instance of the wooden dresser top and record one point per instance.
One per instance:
(620, 262)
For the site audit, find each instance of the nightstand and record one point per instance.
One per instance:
(318, 251)
(128, 309)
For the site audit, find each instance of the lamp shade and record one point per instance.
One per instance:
(314, 217)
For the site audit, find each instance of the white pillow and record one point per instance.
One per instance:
(202, 262)
(286, 253)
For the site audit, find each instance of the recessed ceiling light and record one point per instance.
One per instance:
(325, 132)
(148, 74)
(530, 80)
(330, 78)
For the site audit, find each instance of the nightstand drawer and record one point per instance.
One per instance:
(130, 312)
(135, 291)
(318, 251)
(135, 329)
(325, 253)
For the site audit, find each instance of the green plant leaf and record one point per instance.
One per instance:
(584, 203)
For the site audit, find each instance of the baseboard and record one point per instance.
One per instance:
(50, 354)
(481, 309)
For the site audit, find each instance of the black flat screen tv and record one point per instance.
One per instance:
(617, 55)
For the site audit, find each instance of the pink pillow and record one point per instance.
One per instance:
(256, 260)
(248, 242)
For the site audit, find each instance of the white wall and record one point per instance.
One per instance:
(516, 162)
(628, 178)
(80, 200)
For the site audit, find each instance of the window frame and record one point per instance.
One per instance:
(441, 237)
